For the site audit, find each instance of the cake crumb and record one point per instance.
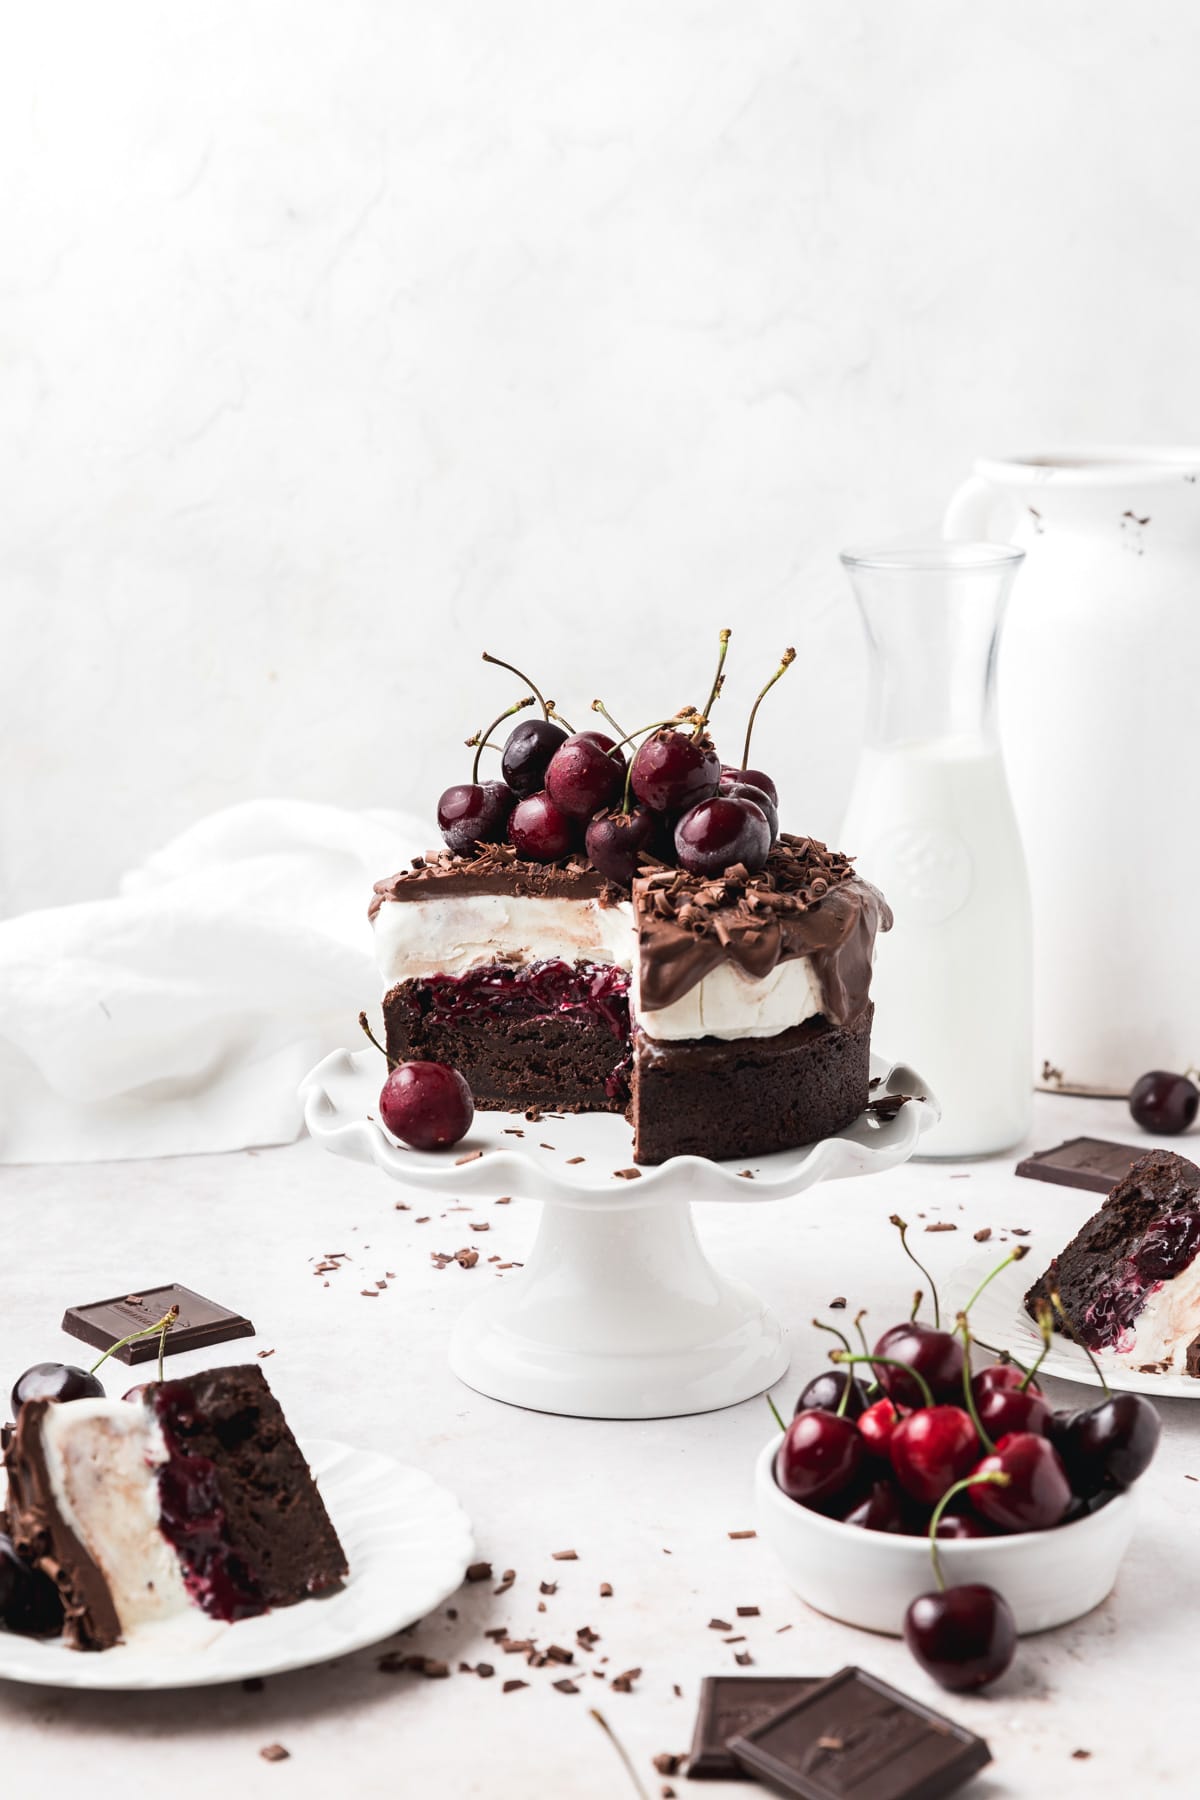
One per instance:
(274, 1753)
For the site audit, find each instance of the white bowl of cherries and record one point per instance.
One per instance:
(949, 1506)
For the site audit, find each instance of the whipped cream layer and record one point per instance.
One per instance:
(729, 1004)
(102, 1460)
(450, 935)
(1167, 1324)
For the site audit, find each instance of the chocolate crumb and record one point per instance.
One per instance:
(719, 1625)
(606, 1586)
(1019, 1230)
(586, 1637)
(274, 1753)
(556, 1653)
(513, 1131)
(485, 1670)
(548, 1587)
(942, 1225)
(746, 1174)
(667, 1763)
(510, 1687)
(983, 1234)
(742, 1658)
(1080, 1755)
(370, 1293)
(628, 1174)
(735, 1640)
(747, 1612)
(481, 1226)
(781, 1628)
(545, 1146)
(838, 1304)
(506, 1581)
(566, 1686)
(263, 1354)
(504, 1200)
(572, 1160)
(471, 1156)
(564, 1556)
(741, 1534)
(480, 1571)
(623, 1684)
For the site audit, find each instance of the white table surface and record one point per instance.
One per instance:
(647, 1506)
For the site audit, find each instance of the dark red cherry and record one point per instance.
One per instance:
(582, 776)
(718, 833)
(819, 1457)
(824, 1392)
(615, 840)
(1005, 1409)
(963, 1637)
(29, 1602)
(539, 830)
(881, 1508)
(936, 1355)
(1038, 1494)
(1109, 1444)
(999, 1375)
(527, 751)
(426, 1104)
(954, 1525)
(475, 812)
(55, 1381)
(742, 790)
(671, 771)
(932, 1449)
(753, 778)
(878, 1423)
(1164, 1103)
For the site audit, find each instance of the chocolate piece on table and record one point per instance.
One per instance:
(731, 1706)
(855, 1738)
(1093, 1163)
(201, 1322)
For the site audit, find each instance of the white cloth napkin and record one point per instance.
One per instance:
(182, 1015)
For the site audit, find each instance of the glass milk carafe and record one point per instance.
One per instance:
(930, 822)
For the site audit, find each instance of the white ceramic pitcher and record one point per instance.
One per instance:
(1099, 692)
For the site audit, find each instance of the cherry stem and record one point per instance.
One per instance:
(789, 657)
(162, 1326)
(859, 1316)
(902, 1228)
(1019, 1250)
(1045, 1323)
(968, 1391)
(841, 1337)
(718, 683)
(552, 712)
(1056, 1302)
(500, 663)
(599, 707)
(621, 1751)
(481, 738)
(916, 1306)
(683, 717)
(888, 1362)
(993, 1477)
(775, 1412)
(389, 1060)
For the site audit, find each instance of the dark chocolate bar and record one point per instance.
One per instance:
(855, 1738)
(1083, 1162)
(103, 1323)
(731, 1706)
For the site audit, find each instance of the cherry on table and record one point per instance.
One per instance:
(426, 1104)
(673, 770)
(877, 1424)
(1112, 1443)
(29, 1602)
(824, 1392)
(55, 1381)
(935, 1355)
(527, 752)
(583, 775)
(753, 778)
(964, 1637)
(539, 830)
(715, 834)
(1164, 1103)
(931, 1449)
(473, 813)
(820, 1456)
(615, 840)
(1038, 1493)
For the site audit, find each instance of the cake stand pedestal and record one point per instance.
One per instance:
(617, 1313)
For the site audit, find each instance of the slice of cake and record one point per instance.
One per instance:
(1129, 1281)
(751, 1000)
(194, 1494)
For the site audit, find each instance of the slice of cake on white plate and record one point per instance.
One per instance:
(1129, 1280)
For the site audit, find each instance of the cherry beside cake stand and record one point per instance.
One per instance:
(617, 1312)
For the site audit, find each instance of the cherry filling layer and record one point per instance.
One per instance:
(192, 1518)
(1168, 1246)
(590, 993)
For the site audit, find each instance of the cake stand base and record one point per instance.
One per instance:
(618, 1314)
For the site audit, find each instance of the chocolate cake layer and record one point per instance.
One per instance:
(562, 1062)
(708, 1097)
(1146, 1232)
(235, 1465)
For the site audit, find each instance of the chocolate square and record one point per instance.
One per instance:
(1093, 1163)
(855, 1738)
(103, 1323)
(731, 1706)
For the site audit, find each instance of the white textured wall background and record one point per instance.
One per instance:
(340, 338)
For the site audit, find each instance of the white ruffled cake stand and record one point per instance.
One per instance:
(617, 1313)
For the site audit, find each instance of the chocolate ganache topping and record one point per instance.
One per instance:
(495, 869)
(808, 901)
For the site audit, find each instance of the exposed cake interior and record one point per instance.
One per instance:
(1129, 1280)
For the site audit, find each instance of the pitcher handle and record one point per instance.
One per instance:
(969, 515)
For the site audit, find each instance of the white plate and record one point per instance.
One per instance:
(341, 1100)
(408, 1544)
(999, 1319)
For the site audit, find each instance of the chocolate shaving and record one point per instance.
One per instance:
(983, 1234)
(479, 1571)
(564, 1556)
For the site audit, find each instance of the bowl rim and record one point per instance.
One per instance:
(1009, 1543)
